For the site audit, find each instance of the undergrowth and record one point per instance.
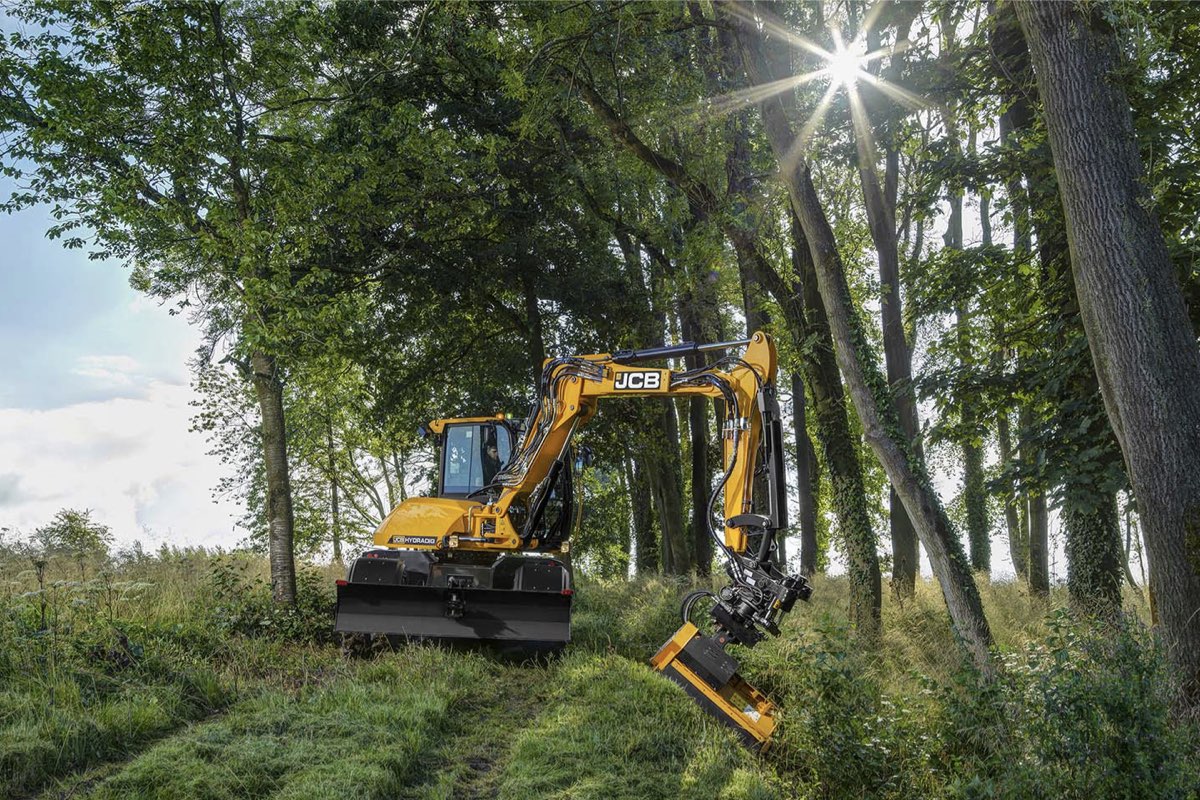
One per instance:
(176, 676)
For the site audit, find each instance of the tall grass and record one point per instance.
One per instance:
(360, 736)
(174, 675)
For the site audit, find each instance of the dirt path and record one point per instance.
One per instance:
(470, 764)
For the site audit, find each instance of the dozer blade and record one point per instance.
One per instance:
(709, 675)
(536, 619)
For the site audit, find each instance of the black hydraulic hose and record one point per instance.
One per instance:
(690, 599)
(732, 559)
(732, 564)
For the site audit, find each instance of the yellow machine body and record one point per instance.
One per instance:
(699, 664)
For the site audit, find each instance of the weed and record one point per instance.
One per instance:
(175, 675)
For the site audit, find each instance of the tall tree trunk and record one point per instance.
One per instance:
(974, 493)
(645, 540)
(533, 325)
(868, 388)
(1039, 546)
(1129, 552)
(1018, 542)
(698, 431)
(1138, 330)
(335, 517)
(702, 543)
(398, 462)
(663, 465)
(807, 484)
(847, 490)
(1039, 521)
(898, 362)
(269, 390)
(1008, 47)
(1136, 533)
(880, 203)
(1093, 553)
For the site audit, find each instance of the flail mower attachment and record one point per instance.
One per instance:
(513, 601)
(709, 675)
(742, 613)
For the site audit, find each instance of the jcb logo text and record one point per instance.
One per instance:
(639, 381)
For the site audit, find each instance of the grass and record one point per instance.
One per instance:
(174, 676)
(613, 730)
(360, 736)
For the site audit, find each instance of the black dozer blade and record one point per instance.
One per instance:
(540, 619)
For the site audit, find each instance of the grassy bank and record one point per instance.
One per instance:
(174, 676)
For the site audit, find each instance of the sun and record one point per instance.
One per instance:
(845, 63)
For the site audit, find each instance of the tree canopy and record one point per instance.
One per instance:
(383, 213)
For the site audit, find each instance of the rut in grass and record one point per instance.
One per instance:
(470, 763)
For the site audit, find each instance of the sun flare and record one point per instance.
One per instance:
(846, 63)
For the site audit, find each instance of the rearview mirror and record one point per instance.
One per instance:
(583, 458)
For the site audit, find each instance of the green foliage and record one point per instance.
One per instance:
(1084, 712)
(72, 532)
(601, 547)
(242, 604)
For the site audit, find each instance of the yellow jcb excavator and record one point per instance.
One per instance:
(487, 558)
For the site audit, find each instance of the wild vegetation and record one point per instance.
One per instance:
(969, 226)
(176, 675)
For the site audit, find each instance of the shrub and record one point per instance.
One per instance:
(243, 604)
(1085, 713)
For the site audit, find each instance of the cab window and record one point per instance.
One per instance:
(472, 454)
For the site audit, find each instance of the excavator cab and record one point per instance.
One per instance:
(430, 579)
(470, 455)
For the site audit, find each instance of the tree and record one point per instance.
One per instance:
(867, 386)
(879, 201)
(177, 140)
(1141, 340)
(72, 532)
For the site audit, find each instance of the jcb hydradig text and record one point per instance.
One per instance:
(486, 559)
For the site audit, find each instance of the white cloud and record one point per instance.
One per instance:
(132, 460)
(112, 372)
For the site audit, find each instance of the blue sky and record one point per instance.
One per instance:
(94, 393)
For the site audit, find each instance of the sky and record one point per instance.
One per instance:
(94, 399)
